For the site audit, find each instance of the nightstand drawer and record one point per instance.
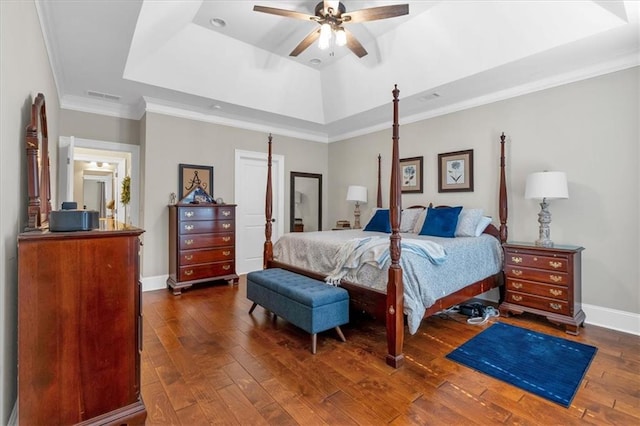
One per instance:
(557, 278)
(205, 226)
(190, 242)
(538, 289)
(542, 303)
(208, 270)
(514, 258)
(194, 257)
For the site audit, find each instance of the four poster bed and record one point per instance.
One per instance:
(388, 300)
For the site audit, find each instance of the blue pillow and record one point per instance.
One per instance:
(441, 222)
(379, 222)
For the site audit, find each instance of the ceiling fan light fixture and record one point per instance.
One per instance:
(325, 36)
(341, 37)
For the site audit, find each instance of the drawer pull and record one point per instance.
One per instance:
(555, 292)
(188, 242)
(226, 239)
(516, 285)
(226, 267)
(555, 306)
(516, 272)
(516, 297)
(555, 278)
(189, 213)
(226, 253)
(188, 227)
(188, 272)
(555, 264)
(188, 257)
(516, 259)
(226, 225)
(226, 212)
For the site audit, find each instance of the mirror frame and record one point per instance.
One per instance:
(292, 197)
(38, 167)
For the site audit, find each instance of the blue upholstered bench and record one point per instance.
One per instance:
(307, 303)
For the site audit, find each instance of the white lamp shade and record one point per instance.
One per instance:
(546, 185)
(357, 193)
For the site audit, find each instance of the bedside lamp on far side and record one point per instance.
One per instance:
(359, 195)
(546, 186)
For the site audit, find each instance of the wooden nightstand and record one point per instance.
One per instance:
(544, 281)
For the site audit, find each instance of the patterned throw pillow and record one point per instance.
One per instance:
(468, 222)
(409, 218)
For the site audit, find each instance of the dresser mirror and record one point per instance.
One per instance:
(305, 202)
(38, 172)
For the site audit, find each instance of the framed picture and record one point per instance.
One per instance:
(411, 174)
(190, 176)
(455, 171)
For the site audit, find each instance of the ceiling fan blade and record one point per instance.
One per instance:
(285, 13)
(308, 41)
(375, 13)
(354, 45)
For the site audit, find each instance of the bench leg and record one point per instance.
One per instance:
(314, 340)
(253, 307)
(340, 334)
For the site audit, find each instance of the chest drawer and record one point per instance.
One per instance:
(197, 241)
(207, 270)
(537, 302)
(205, 213)
(551, 263)
(538, 289)
(557, 278)
(193, 257)
(204, 226)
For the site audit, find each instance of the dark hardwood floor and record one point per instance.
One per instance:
(205, 360)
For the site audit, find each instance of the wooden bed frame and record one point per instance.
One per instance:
(390, 305)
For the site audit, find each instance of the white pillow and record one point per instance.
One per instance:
(468, 222)
(482, 225)
(420, 221)
(408, 219)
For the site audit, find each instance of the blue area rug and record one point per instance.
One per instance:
(544, 365)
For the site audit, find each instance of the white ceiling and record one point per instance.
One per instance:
(166, 57)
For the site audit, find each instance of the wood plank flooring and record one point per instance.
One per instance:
(205, 360)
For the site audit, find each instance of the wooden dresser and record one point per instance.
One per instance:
(544, 281)
(201, 244)
(79, 328)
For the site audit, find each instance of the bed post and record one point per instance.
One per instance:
(267, 255)
(502, 204)
(379, 200)
(395, 287)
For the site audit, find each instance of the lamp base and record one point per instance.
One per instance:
(544, 218)
(356, 214)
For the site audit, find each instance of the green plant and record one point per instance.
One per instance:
(125, 197)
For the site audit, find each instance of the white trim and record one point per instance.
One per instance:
(134, 150)
(627, 322)
(13, 418)
(97, 106)
(154, 283)
(232, 122)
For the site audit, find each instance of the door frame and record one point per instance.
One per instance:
(278, 204)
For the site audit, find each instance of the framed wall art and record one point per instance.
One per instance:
(455, 171)
(411, 173)
(190, 176)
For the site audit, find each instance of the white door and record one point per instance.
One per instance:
(65, 170)
(250, 191)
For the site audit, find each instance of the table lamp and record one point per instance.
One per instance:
(359, 195)
(546, 186)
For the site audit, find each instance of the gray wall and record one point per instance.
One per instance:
(169, 141)
(24, 72)
(587, 129)
(99, 127)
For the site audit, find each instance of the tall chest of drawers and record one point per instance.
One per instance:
(544, 281)
(201, 244)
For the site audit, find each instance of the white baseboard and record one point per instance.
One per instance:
(614, 319)
(154, 283)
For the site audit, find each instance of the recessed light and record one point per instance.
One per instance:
(217, 22)
(315, 61)
(216, 106)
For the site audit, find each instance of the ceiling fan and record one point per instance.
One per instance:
(331, 15)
